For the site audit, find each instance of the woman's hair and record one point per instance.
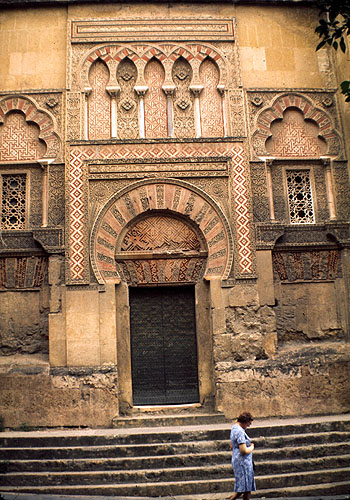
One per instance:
(245, 418)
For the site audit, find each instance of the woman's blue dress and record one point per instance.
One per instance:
(242, 464)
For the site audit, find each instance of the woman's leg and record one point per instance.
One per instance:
(246, 495)
(235, 495)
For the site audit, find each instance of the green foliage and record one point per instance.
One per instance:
(333, 28)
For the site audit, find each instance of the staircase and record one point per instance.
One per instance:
(292, 458)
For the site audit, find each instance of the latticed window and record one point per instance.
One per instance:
(301, 210)
(13, 206)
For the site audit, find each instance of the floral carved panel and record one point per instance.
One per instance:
(183, 101)
(127, 108)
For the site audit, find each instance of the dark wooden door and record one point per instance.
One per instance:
(163, 345)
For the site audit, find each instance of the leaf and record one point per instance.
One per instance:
(342, 45)
(320, 45)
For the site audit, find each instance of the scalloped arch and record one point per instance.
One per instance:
(111, 53)
(310, 112)
(34, 114)
(172, 196)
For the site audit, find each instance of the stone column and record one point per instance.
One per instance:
(329, 186)
(87, 92)
(44, 163)
(197, 89)
(222, 91)
(141, 92)
(114, 92)
(169, 91)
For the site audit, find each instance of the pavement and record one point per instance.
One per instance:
(215, 496)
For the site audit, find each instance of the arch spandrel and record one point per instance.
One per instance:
(169, 199)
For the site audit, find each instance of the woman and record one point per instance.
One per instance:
(242, 458)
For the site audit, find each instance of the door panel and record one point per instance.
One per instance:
(163, 345)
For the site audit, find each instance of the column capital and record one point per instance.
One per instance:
(141, 90)
(221, 89)
(45, 162)
(196, 89)
(87, 91)
(168, 90)
(113, 91)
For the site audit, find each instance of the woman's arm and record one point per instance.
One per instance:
(245, 450)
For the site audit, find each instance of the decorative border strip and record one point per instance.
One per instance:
(152, 30)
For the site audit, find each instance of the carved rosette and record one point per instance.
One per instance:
(183, 103)
(127, 107)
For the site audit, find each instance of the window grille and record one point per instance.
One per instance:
(13, 207)
(301, 209)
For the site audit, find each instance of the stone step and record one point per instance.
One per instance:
(164, 446)
(63, 439)
(154, 475)
(262, 466)
(175, 461)
(271, 485)
(139, 421)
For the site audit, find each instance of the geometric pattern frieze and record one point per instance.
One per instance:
(170, 252)
(218, 263)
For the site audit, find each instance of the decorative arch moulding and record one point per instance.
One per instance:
(78, 169)
(127, 30)
(311, 112)
(168, 197)
(34, 114)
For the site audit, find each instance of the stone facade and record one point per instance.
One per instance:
(203, 148)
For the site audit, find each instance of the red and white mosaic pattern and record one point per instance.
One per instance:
(212, 123)
(77, 220)
(99, 102)
(184, 200)
(240, 191)
(155, 101)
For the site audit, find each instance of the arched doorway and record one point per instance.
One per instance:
(161, 256)
(167, 236)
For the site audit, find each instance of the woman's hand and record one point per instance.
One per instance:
(245, 450)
